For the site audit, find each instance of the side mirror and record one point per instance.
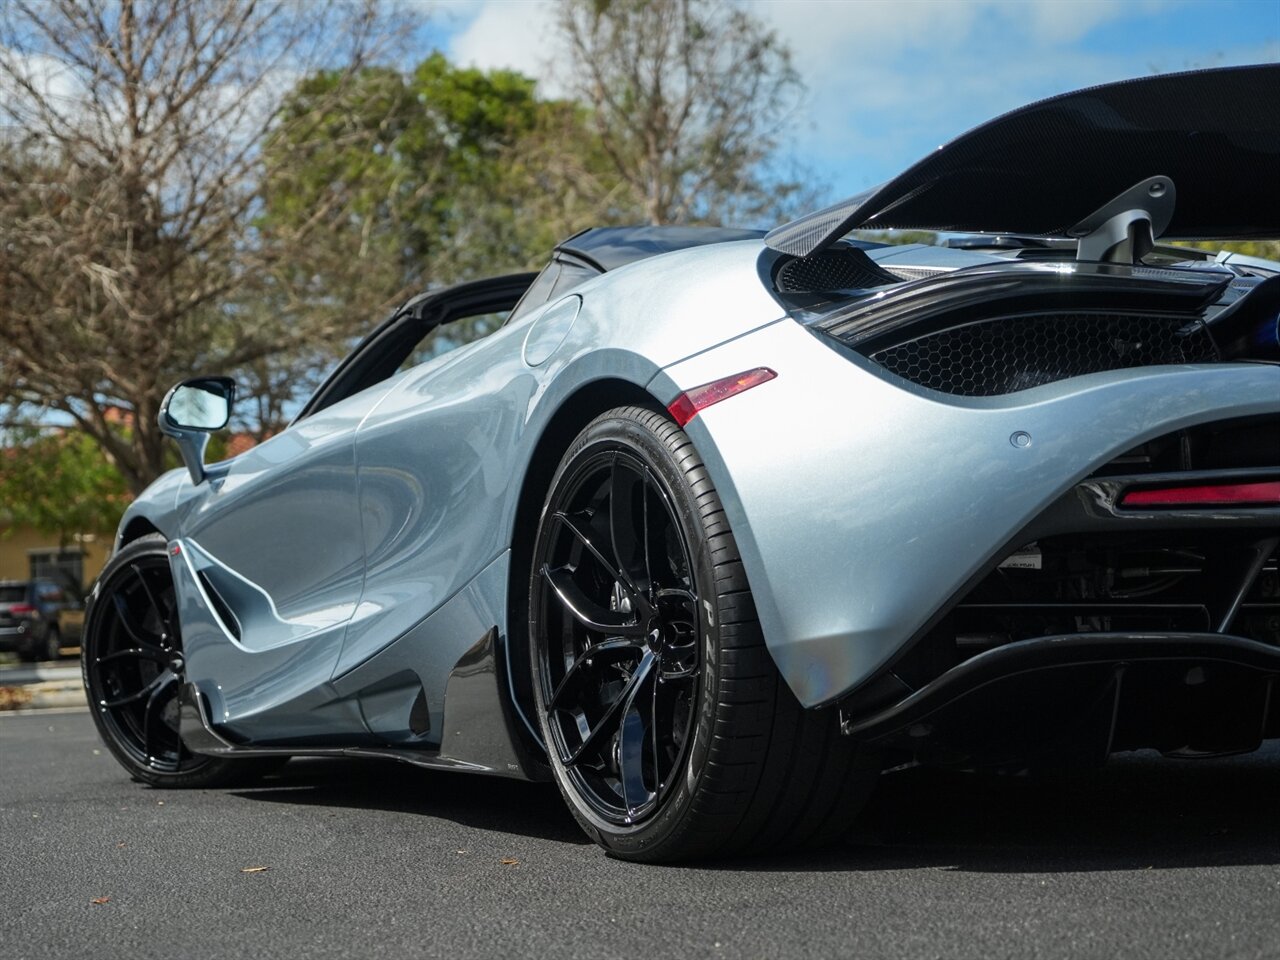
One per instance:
(191, 411)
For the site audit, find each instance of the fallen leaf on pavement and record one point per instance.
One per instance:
(254, 869)
(100, 900)
(509, 861)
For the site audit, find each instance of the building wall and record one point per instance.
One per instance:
(17, 542)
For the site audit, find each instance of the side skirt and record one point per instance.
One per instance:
(477, 738)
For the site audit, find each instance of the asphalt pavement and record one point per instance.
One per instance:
(1144, 858)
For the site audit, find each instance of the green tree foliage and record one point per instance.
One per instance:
(425, 178)
(129, 177)
(1267, 249)
(59, 482)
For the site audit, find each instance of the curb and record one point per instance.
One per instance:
(42, 696)
(37, 673)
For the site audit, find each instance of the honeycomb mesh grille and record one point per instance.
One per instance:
(842, 269)
(1017, 353)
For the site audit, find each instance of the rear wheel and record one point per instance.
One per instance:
(670, 731)
(131, 660)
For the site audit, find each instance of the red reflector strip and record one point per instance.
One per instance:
(22, 609)
(1223, 494)
(686, 406)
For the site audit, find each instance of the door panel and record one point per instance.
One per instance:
(274, 565)
(434, 476)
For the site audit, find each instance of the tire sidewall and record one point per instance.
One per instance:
(147, 546)
(617, 430)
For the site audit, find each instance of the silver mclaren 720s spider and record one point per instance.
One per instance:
(719, 524)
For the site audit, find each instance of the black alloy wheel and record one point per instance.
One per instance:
(668, 728)
(132, 663)
(621, 668)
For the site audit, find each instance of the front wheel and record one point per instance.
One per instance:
(670, 731)
(131, 661)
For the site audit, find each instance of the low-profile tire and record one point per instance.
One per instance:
(669, 729)
(131, 662)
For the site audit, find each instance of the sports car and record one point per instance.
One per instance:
(717, 525)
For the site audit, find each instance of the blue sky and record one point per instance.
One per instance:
(889, 80)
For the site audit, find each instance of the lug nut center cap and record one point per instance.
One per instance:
(653, 634)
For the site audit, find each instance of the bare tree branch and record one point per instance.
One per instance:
(131, 168)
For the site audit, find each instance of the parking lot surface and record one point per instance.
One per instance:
(1144, 858)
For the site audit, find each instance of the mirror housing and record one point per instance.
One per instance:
(191, 411)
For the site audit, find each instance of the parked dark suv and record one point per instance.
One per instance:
(36, 618)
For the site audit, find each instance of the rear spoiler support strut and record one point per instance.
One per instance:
(1124, 229)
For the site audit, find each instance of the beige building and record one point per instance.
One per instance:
(26, 553)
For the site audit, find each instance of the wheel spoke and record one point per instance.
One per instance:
(654, 732)
(622, 527)
(146, 588)
(137, 653)
(163, 611)
(160, 680)
(606, 650)
(633, 735)
(672, 593)
(585, 610)
(131, 627)
(579, 531)
(152, 715)
(679, 672)
(608, 723)
(680, 660)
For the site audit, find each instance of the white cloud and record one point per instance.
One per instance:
(889, 80)
(515, 34)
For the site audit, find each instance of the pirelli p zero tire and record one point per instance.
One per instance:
(669, 730)
(131, 662)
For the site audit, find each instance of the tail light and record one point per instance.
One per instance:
(686, 406)
(22, 610)
(1266, 493)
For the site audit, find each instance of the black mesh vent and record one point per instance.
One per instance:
(840, 269)
(1016, 353)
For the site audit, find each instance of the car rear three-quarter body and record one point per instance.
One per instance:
(1002, 504)
(994, 531)
(717, 524)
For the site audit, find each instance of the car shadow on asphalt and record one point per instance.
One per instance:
(487, 803)
(1139, 812)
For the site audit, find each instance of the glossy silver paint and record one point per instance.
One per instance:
(365, 549)
(861, 502)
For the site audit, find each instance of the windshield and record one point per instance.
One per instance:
(12, 593)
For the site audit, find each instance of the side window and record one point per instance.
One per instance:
(423, 328)
(571, 275)
(538, 291)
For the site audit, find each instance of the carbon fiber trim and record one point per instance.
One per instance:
(1041, 169)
